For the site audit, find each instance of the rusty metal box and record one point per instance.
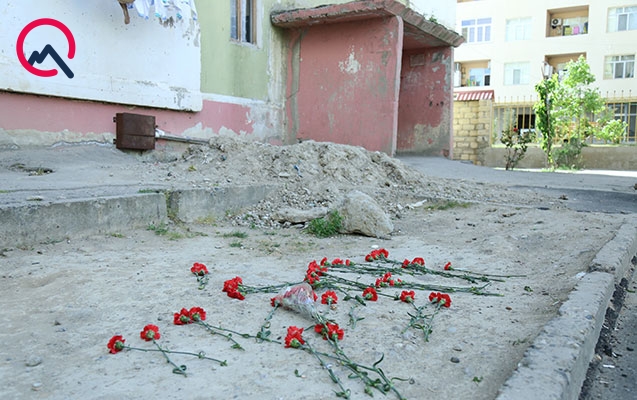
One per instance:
(135, 131)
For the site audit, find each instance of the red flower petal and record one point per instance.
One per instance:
(294, 337)
(329, 297)
(150, 332)
(182, 317)
(407, 296)
(116, 344)
(199, 269)
(197, 314)
(370, 294)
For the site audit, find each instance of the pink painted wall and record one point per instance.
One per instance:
(344, 83)
(426, 101)
(23, 112)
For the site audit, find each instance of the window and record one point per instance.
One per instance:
(243, 21)
(477, 30)
(479, 77)
(618, 67)
(626, 112)
(518, 29)
(473, 73)
(516, 73)
(622, 19)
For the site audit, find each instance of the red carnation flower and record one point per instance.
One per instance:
(329, 331)
(314, 271)
(442, 298)
(408, 296)
(447, 266)
(294, 337)
(329, 298)
(116, 344)
(150, 332)
(199, 269)
(406, 263)
(418, 260)
(197, 314)
(234, 288)
(376, 254)
(370, 294)
(182, 317)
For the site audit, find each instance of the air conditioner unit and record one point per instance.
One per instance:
(555, 22)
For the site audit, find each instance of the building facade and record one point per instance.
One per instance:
(511, 45)
(251, 68)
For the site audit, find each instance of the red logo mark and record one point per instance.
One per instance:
(23, 34)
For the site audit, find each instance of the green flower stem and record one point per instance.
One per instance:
(491, 275)
(382, 384)
(221, 332)
(422, 321)
(200, 355)
(203, 281)
(417, 269)
(264, 332)
(344, 393)
(178, 369)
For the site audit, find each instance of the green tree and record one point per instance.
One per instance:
(565, 109)
(544, 119)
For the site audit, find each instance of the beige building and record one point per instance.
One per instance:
(511, 44)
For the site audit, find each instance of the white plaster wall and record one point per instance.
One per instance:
(143, 63)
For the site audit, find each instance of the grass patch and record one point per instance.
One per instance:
(327, 226)
(447, 204)
(209, 220)
(163, 230)
(236, 234)
(236, 243)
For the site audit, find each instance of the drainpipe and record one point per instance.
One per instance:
(159, 134)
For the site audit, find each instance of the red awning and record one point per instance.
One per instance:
(473, 95)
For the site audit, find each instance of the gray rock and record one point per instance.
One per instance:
(361, 214)
(296, 216)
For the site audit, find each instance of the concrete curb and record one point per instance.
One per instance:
(25, 225)
(28, 224)
(555, 365)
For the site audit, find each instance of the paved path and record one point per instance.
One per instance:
(585, 190)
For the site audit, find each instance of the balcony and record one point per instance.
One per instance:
(558, 62)
(571, 21)
(472, 74)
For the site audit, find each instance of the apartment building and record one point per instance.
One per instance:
(512, 45)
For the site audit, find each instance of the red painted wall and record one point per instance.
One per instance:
(426, 100)
(55, 114)
(344, 83)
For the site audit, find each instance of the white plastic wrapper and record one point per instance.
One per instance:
(299, 298)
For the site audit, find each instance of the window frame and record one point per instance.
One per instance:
(477, 30)
(611, 65)
(243, 21)
(614, 18)
(513, 26)
(523, 73)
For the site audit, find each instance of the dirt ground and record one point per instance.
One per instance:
(64, 301)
